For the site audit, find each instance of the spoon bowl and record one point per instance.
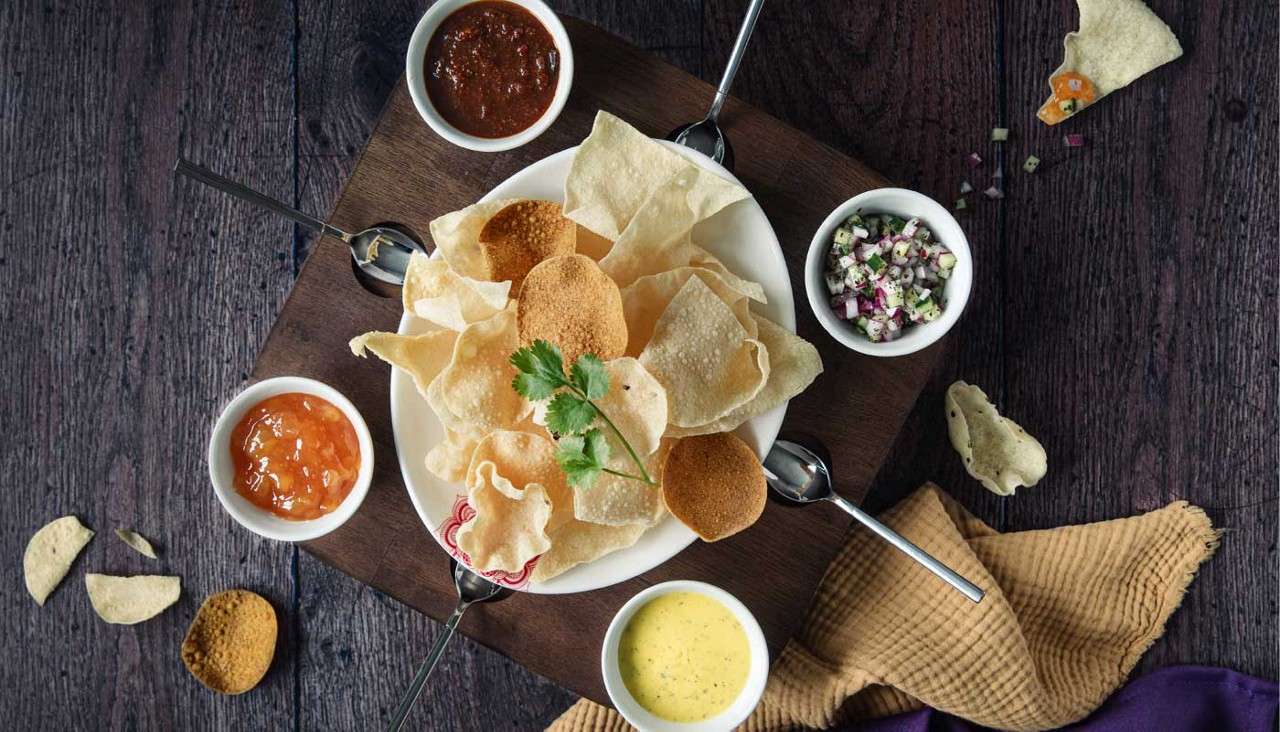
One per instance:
(799, 475)
(383, 252)
(707, 138)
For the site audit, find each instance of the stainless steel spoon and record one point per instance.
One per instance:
(472, 588)
(706, 136)
(797, 474)
(380, 252)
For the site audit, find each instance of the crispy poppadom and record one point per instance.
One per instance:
(996, 451)
(50, 553)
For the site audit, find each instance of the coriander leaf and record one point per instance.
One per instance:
(589, 376)
(580, 468)
(596, 447)
(568, 414)
(543, 359)
(533, 387)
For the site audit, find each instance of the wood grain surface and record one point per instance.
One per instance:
(117, 361)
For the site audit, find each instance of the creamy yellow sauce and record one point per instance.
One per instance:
(684, 657)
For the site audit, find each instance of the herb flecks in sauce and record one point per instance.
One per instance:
(684, 657)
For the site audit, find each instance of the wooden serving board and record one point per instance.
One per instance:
(409, 175)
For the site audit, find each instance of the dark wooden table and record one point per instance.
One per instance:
(1124, 310)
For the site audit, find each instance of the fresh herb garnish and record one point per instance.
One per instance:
(582, 451)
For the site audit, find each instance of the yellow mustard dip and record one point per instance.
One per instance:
(684, 657)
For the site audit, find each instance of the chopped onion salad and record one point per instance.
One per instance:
(886, 274)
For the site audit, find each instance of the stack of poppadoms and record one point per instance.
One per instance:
(615, 272)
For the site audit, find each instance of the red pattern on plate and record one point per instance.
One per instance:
(461, 513)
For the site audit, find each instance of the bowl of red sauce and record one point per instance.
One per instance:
(290, 458)
(489, 75)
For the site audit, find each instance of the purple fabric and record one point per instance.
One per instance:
(1176, 699)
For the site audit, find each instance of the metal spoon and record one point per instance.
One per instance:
(471, 588)
(797, 474)
(380, 252)
(705, 136)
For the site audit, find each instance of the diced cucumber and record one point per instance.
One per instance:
(855, 278)
(892, 293)
(946, 260)
(876, 263)
(929, 311)
(843, 236)
(901, 248)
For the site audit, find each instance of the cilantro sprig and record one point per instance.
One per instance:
(582, 451)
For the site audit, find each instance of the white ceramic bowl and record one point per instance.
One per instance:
(904, 203)
(256, 519)
(415, 72)
(640, 717)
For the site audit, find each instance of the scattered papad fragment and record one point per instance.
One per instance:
(995, 450)
(50, 553)
(131, 600)
(137, 542)
(231, 641)
(1118, 42)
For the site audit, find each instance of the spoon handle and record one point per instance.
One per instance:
(245, 193)
(424, 671)
(735, 57)
(948, 575)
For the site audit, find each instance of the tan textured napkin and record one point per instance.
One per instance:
(1068, 612)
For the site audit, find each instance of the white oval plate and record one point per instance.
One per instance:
(741, 237)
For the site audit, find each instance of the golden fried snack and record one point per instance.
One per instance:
(714, 484)
(523, 234)
(569, 302)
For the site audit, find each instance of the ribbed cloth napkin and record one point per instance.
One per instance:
(1067, 615)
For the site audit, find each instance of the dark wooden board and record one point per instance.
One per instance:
(285, 94)
(408, 175)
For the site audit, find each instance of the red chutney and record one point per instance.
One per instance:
(295, 455)
(491, 69)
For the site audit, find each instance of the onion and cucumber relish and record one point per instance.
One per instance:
(886, 274)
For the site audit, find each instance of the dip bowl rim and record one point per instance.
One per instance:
(646, 721)
(905, 203)
(258, 520)
(415, 71)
